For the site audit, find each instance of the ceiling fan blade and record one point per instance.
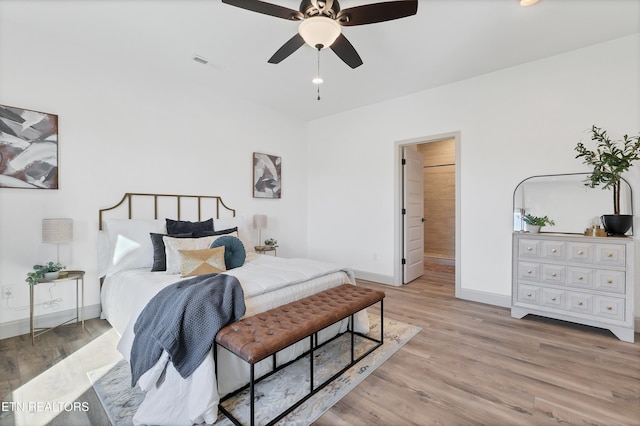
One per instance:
(287, 49)
(345, 51)
(267, 9)
(377, 12)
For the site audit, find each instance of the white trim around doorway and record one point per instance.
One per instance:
(397, 215)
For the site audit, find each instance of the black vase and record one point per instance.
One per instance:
(617, 225)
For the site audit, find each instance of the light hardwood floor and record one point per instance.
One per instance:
(471, 364)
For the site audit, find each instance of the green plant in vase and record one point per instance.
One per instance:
(271, 243)
(39, 272)
(609, 160)
(534, 223)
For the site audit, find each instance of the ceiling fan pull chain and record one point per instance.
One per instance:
(319, 79)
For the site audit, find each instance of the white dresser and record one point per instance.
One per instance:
(574, 278)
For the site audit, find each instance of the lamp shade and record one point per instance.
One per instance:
(319, 31)
(260, 221)
(57, 230)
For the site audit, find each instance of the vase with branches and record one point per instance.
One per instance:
(609, 160)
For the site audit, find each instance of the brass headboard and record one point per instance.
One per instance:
(201, 205)
(127, 202)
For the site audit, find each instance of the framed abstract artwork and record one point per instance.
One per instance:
(28, 149)
(267, 176)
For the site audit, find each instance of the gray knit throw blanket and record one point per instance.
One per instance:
(183, 319)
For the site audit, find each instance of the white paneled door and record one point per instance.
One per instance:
(412, 214)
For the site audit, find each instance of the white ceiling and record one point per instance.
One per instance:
(447, 41)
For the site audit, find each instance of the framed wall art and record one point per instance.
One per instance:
(267, 176)
(28, 149)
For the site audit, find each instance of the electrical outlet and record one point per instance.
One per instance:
(7, 292)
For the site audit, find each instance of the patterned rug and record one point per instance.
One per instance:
(280, 390)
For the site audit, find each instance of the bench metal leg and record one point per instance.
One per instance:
(252, 389)
(311, 363)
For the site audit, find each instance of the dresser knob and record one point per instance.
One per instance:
(529, 248)
(580, 303)
(609, 281)
(529, 271)
(553, 299)
(528, 294)
(553, 250)
(580, 278)
(554, 274)
(580, 252)
(609, 308)
(610, 255)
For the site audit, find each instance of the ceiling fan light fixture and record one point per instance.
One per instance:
(528, 2)
(319, 32)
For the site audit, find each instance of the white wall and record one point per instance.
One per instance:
(514, 123)
(125, 128)
(128, 128)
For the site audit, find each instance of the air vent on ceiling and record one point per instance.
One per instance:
(199, 59)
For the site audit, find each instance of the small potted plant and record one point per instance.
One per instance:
(271, 243)
(610, 159)
(534, 223)
(49, 271)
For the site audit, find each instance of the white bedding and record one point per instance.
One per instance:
(267, 282)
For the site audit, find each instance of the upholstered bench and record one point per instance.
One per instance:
(263, 335)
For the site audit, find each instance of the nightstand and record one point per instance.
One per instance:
(264, 249)
(78, 277)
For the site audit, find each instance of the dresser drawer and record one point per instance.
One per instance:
(553, 250)
(610, 254)
(580, 252)
(529, 248)
(613, 281)
(580, 302)
(529, 294)
(529, 271)
(553, 298)
(553, 274)
(609, 307)
(580, 277)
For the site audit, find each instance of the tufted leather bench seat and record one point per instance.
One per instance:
(257, 337)
(262, 335)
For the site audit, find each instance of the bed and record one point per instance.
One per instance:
(130, 267)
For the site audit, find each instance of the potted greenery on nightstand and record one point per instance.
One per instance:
(534, 223)
(48, 271)
(610, 159)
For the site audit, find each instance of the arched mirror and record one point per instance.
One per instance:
(567, 201)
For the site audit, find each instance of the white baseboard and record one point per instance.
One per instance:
(376, 278)
(484, 297)
(22, 326)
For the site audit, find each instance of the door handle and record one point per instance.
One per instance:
(424, 220)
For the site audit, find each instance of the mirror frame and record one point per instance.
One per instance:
(515, 210)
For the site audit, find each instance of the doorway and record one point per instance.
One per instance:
(439, 166)
(447, 248)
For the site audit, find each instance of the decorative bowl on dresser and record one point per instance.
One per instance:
(585, 280)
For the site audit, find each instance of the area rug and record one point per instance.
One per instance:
(274, 394)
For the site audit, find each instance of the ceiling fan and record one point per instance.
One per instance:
(321, 22)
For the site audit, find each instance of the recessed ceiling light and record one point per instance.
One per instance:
(199, 59)
(528, 2)
(317, 80)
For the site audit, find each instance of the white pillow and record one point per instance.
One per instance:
(129, 243)
(243, 230)
(104, 255)
(172, 245)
